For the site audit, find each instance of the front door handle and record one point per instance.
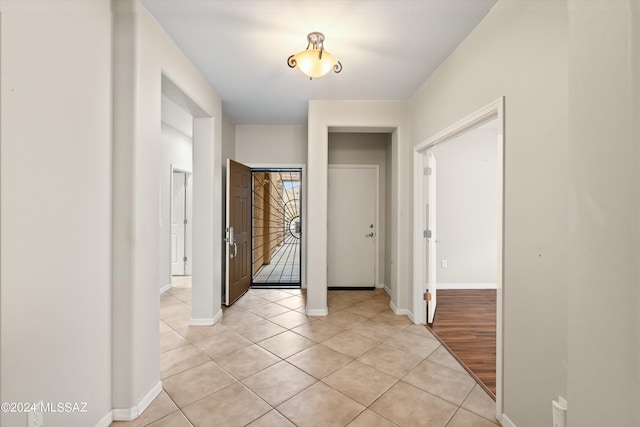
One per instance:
(232, 241)
(235, 251)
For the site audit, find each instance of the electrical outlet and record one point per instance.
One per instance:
(443, 263)
(35, 416)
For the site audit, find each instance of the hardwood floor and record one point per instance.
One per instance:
(465, 322)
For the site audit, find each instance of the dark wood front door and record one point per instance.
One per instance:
(238, 231)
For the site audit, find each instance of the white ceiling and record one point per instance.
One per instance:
(387, 48)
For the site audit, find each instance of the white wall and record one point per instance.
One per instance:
(604, 215)
(175, 116)
(367, 149)
(55, 151)
(177, 153)
(388, 224)
(228, 140)
(519, 51)
(147, 64)
(271, 144)
(466, 204)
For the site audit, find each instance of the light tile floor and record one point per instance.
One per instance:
(267, 364)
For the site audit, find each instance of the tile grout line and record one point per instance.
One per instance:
(350, 304)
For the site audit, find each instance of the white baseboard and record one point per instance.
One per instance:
(467, 286)
(393, 306)
(106, 420)
(317, 312)
(207, 321)
(128, 414)
(125, 414)
(217, 317)
(400, 311)
(148, 398)
(506, 422)
(165, 288)
(380, 286)
(387, 290)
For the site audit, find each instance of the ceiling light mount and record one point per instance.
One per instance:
(314, 61)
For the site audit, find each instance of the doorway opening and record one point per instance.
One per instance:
(359, 208)
(176, 195)
(276, 227)
(428, 241)
(180, 223)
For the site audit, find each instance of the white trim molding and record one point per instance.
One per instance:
(399, 311)
(506, 422)
(317, 312)
(394, 308)
(494, 110)
(129, 414)
(303, 209)
(206, 321)
(106, 420)
(165, 288)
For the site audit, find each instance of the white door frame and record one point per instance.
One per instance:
(429, 221)
(188, 232)
(303, 210)
(492, 110)
(177, 221)
(376, 254)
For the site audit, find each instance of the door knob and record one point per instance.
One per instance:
(370, 234)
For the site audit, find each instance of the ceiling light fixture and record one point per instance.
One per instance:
(314, 61)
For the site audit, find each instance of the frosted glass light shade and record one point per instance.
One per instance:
(310, 63)
(314, 61)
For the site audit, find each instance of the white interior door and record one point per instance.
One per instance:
(178, 216)
(352, 225)
(430, 211)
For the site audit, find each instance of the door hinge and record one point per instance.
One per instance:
(427, 171)
(185, 222)
(185, 259)
(426, 234)
(427, 296)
